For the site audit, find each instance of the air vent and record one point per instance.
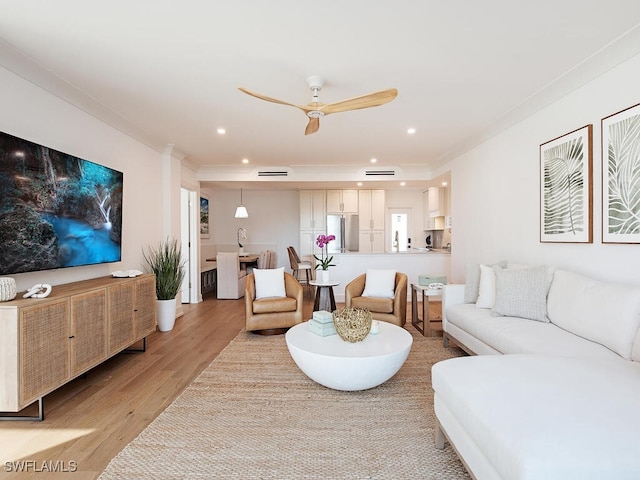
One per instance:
(380, 172)
(273, 174)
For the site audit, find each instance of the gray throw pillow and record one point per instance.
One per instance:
(472, 281)
(522, 292)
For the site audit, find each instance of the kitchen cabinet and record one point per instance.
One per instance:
(371, 217)
(435, 208)
(342, 201)
(434, 223)
(437, 201)
(308, 246)
(44, 343)
(372, 209)
(313, 220)
(371, 241)
(313, 213)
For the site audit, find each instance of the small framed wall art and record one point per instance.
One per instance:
(621, 176)
(566, 195)
(204, 217)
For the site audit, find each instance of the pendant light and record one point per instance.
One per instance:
(241, 211)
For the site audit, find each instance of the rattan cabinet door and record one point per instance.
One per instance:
(88, 330)
(121, 316)
(145, 306)
(44, 349)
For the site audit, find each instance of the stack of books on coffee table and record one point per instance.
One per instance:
(322, 323)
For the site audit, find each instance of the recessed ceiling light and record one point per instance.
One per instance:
(245, 160)
(402, 184)
(374, 160)
(221, 131)
(444, 184)
(359, 184)
(411, 131)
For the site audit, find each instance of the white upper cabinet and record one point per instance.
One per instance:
(371, 217)
(371, 213)
(342, 201)
(437, 202)
(313, 214)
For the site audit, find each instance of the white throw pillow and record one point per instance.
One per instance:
(522, 292)
(269, 282)
(487, 287)
(380, 283)
(472, 281)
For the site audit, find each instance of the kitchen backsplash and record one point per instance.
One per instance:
(439, 238)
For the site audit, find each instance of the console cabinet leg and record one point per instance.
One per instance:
(36, 418)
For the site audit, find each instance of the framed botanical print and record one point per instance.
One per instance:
(621, 176)
(204, 217)
(566, 194)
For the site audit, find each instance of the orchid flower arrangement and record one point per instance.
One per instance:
(242, 234)
(325, 260)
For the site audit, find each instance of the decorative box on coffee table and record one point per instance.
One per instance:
(322, 323)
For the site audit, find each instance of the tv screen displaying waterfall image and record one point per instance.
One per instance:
(56, 210)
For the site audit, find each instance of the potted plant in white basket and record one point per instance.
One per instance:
(167, 265)
(324, 260)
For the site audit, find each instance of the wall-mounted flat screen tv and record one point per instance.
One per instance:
(56, 210)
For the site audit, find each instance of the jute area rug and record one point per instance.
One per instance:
(252, 414)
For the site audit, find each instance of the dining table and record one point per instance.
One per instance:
(246, 260)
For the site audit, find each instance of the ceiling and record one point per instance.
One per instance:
(167, 73)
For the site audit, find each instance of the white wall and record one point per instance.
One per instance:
(31, 113)
(274, 221)
(495, 187)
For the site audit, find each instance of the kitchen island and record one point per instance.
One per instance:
(414, 263)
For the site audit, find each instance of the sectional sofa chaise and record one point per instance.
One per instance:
(553, 391)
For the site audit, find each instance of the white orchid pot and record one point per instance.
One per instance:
(324, 276)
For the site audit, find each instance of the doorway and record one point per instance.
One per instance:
(189, 243)
(399, 219)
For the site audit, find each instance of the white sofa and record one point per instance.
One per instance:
(562, 402)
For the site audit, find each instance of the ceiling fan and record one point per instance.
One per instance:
(315, 110)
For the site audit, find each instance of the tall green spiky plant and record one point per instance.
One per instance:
(167, 264)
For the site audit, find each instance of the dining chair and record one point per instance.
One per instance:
(297, 265)
(231, 278)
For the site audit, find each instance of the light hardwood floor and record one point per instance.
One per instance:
(88, 421)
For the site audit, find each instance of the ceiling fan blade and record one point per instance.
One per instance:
(312, 126)
(365, 101)
(270, 99)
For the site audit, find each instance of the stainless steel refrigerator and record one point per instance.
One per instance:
(346, 229)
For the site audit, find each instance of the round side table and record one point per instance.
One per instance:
(324, 295)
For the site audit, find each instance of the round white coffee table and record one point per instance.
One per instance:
(337, 364)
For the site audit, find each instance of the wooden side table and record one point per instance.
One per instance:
(324, 295)
(424, 325)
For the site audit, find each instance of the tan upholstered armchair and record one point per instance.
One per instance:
(273, 315)
(392, 310)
